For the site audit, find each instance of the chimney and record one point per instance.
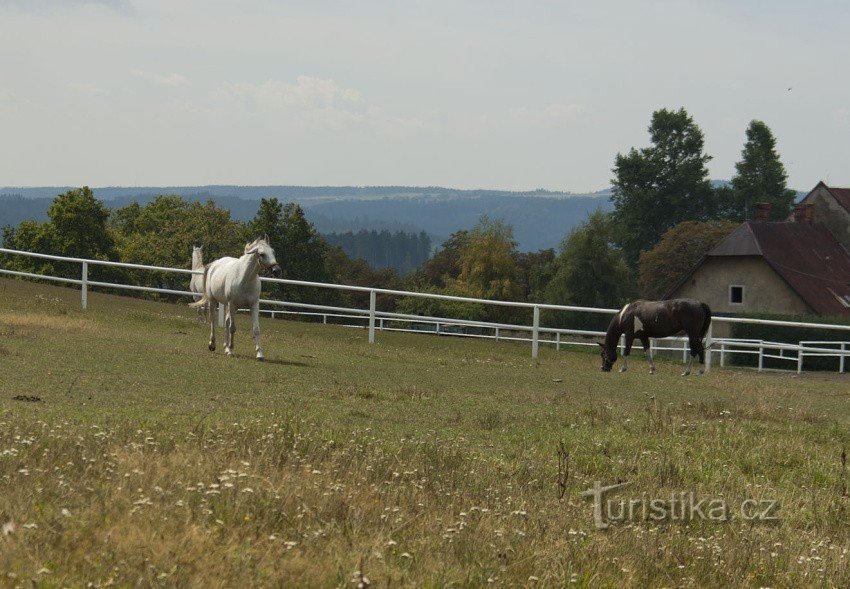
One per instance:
(803, 212)
(809, 209)
(762, 212)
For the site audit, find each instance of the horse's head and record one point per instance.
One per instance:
(608, 357)
(265, 254)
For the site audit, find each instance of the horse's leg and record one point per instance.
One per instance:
(255, 319)
(211, 305)
(648, 351)
(630, 338)
(701, 353)
(230, 327)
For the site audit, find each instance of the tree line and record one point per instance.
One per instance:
(384, 249)
(666, 216)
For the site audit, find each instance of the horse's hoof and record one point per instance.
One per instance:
(686, 373)
(701, 372)
(261, 358)
(229, 353)
(652, 370)
(212, 347)
(623, 369)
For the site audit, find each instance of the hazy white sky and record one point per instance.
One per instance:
(489, 93)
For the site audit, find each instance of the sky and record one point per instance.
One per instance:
(469, 94)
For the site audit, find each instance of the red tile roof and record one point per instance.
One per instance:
(806, 255)
(842, 195)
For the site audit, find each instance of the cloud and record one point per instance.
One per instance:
(171, 80)
(841, 114)
(564, 112)
(306, 93)
(86, 89)
(119, 6)
(555, 111)
(319, 102)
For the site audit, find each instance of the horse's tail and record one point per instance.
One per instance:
(203, 300)
(705, 322)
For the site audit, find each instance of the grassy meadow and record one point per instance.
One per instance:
(132, 456)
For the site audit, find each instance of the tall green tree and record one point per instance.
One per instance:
(590, 271)
(760, 177)
(299, 249)
(656, 187)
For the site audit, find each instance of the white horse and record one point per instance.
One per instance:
(235, 283)
(196, 284)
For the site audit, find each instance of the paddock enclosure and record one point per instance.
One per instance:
(129, 454)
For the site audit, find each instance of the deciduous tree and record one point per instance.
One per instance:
(590, 271)
(679, 250)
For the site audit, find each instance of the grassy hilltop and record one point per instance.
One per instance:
(133, 456)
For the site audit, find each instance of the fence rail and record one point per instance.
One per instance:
(376, 320)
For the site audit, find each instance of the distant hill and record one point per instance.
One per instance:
(541, 218)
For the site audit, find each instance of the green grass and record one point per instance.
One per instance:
(429, 460)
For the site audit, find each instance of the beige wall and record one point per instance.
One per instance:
(764, 290)
(830, 213)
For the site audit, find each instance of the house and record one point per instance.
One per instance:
(832, 208)
(796, 267)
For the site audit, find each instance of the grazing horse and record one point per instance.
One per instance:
(646, 319)
(196, 284)
(235, 283)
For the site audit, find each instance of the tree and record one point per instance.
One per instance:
(679, 250)
(444, 266)
(661, 185)
(162, 233)
(535, 271)
(488, 269)
(299, 249)
(590, 271)
(760, 177)
(76, 227)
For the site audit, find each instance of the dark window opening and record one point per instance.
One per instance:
(736, 295)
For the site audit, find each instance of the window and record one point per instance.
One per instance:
(736, 295)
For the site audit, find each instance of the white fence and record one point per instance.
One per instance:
(375, 320)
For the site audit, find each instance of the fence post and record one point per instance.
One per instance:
(761, 355)
(841, 360)
(535, 332)
(372, 301)
(84, 291)
(497, 334)
(220, 315)
(800, 358)
(684, 351)
(558, 341)
(723, 354)
(709, 340)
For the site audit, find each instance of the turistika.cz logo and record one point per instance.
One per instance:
(677, 508)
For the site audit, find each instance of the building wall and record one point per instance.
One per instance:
(830, 213)
(764, 290)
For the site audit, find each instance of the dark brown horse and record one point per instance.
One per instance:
(646, 319)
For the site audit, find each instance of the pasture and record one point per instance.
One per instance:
(131, 455)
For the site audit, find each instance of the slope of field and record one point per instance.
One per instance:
(130, 455)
